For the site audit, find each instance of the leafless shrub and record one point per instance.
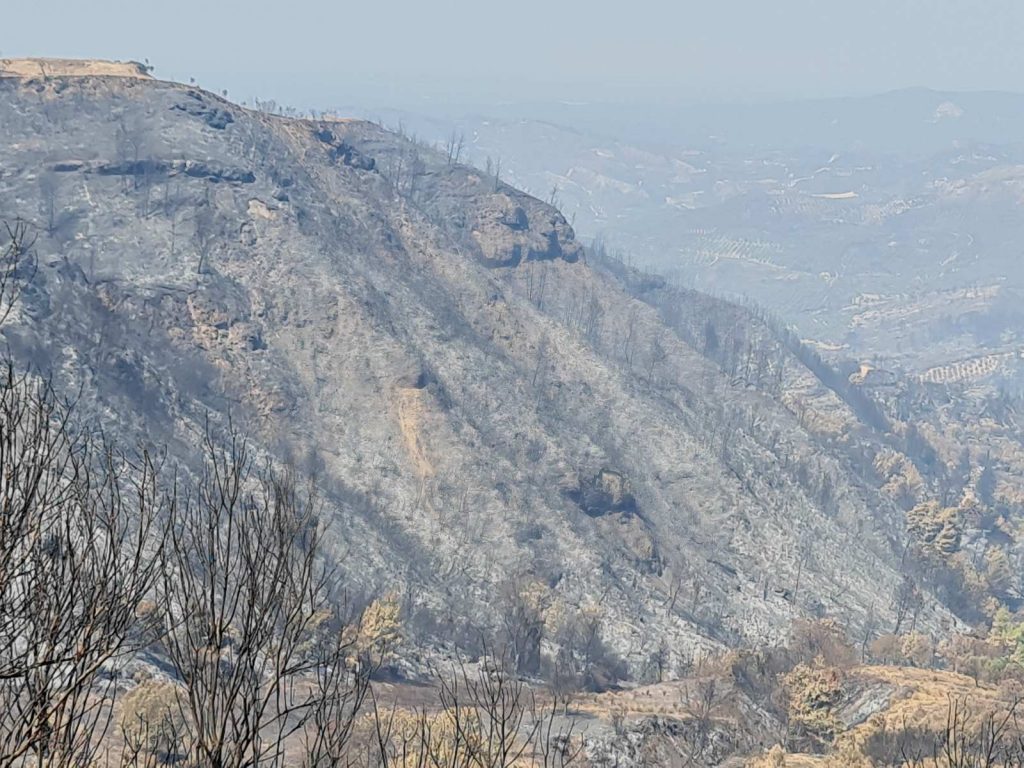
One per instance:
(249, 631)
(453, 147)
(487, 719)
(969, 739)
(17, 264)
(77, 560)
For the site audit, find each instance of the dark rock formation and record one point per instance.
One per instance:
(196, 105)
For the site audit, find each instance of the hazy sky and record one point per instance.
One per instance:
(318, 53)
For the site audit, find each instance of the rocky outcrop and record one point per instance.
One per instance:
(197, 169)
(501, 226)
(509, 231)
(869, 376)
(606, 493)
(344, 152)
(212, 115)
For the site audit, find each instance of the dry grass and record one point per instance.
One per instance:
(925, 695)
(804, 761)
(918, 699)
(913, 698)
(666, 699)
(32, 68)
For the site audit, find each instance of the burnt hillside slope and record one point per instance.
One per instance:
(498, 426)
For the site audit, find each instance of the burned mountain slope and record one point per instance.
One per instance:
(500, 429)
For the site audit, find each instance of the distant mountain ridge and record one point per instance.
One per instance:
(910, 121)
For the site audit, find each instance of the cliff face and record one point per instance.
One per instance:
(486, 413)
